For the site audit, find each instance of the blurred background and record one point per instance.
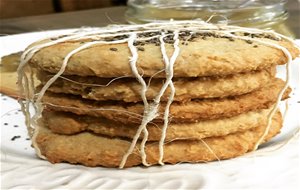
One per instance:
(20, 8)
(18, 16)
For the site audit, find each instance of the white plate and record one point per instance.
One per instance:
(265, 168)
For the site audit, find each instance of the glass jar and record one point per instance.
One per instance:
(265, 14)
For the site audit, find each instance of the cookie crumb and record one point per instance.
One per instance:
(249, 42)
(255, 46)
(113, 49)
(140, 48)
(230, 39)
(15, 137)
(246, 34)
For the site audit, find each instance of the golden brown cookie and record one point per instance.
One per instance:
(203, 55)
(94, 150)
(69, 124)
(8, 73)
(191, 111)
(221, 80)
(128, 90)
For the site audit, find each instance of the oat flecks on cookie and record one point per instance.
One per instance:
(128, 89)
(182, 112)
(91, 150)
(141, 73)
(69, 124)
(214, 55)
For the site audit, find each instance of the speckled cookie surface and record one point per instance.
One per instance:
(203, 55)
(191, 111)
(93, 150)
(128, 90)
(70, 124)
(209, 85)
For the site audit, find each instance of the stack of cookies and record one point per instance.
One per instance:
(150, 94)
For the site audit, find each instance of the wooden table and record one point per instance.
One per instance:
(100, 17)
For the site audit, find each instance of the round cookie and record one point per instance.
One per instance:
(167, 51)
(180, 112)
(70, 124)
(128, 90)
(94, 150)
(201, 53)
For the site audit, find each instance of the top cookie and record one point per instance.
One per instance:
(204, 50)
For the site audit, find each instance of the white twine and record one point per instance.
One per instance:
(150, 109)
